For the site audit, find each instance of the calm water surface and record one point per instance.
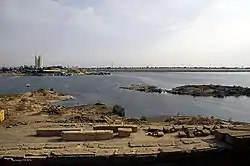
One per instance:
(90, 89)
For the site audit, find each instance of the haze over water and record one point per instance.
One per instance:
(90, 89)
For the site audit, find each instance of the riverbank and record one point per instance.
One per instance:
(167, 136)
(42, 103)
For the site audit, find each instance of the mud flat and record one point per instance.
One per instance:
(171, 140)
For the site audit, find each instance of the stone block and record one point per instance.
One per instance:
(53, 132)
(238, 139)
(166, 129)
(198, 128)
(166, 143)
(87, 135)
(182, 134)
(220, 134)
(198, 133)
(240, 128)
(177, 128)
(2, 116)
(114, 128)
(154, 128)
(206, 132)
(147, 151)
(124, 132)
(125, 152)
(190, 133)
(205, 127)
(105, 152)
(73, 153)
(159, 134)
(168, 150)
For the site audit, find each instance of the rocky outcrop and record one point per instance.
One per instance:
(144, 88)
(218, 91)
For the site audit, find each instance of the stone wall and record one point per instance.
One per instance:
(208, 158)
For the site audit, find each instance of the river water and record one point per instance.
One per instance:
(90, 89)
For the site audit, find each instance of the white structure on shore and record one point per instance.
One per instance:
(38, 62)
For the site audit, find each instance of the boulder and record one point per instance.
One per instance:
(118, 110)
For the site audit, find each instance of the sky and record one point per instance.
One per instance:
(91, 33)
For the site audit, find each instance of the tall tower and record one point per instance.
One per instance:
(40, 62)
(36, 61)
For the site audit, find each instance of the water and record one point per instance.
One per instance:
(90, 89)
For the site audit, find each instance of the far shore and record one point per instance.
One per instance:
(93, 71)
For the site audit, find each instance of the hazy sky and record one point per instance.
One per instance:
(126, 32)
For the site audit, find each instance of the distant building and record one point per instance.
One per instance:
(38, 62)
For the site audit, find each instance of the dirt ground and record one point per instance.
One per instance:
(32, 110)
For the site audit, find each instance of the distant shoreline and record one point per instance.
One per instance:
(157, 69)
(171, 70)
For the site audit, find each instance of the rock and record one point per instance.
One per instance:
(156, 134)
(124, 132)
(159, 134)
(215, 127)
(181, 134)
(144, 88)
(150, 134)
(118, 110)
(206, 127)
(166, 130)
(206, 132)
(154, 129)
(10, 126)
(190, 133)
(198, 134)
(100, 103)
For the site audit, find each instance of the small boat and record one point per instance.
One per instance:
(27, 85)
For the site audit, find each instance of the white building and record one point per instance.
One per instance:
(38, 62)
